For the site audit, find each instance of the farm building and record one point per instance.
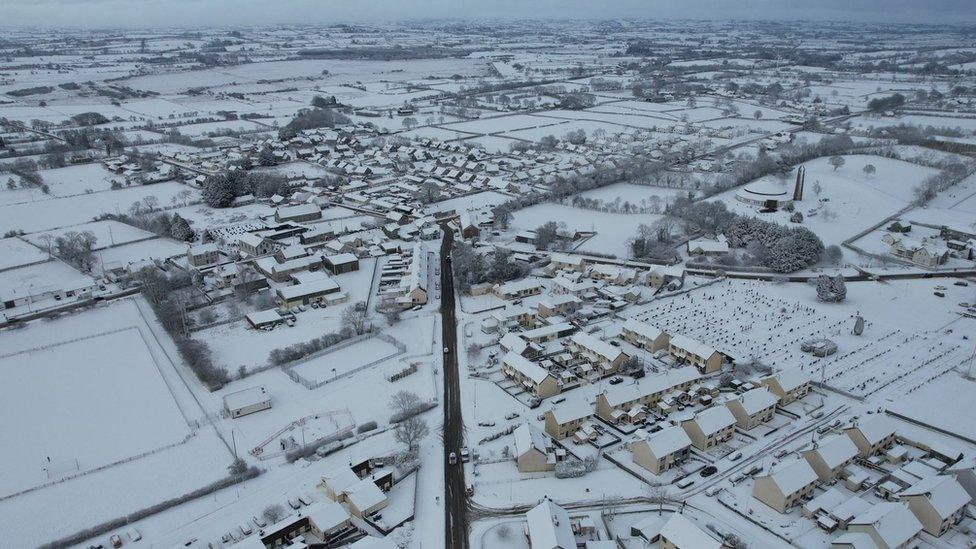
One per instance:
(301, 212)
(306, 294)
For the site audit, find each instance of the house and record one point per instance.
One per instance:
(337, 481)
(566, 262)
(306, 294)
(608, 358)
(662, 450)
(567, 418)
(872, 435)
(921, 252)
(203, 255)
(643, 335)
(890, 525)
(365, 497)
(298, 213)
(938, 502)
(534, 378)
(534, 451)
(469, 228)
(785, 487)
(561, 305)
(548, 527)
(341, 263)
(708, 247)
(753, 407)
(710, 427)
(518, 289)
(413, 287)
(648, 528)
(660, 275)
(247, 401)
(692, 351)
(830, 456)
(327, 518)
(788, 385)
(681, 533)
(647, 391)
(254, 245)
(549, 332)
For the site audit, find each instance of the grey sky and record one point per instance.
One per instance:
(147, 13)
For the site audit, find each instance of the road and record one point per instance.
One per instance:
(455, 500)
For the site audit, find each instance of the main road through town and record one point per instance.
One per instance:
(455, 502)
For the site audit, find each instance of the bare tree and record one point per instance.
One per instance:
(411, 431)
(403, 403)
(273, 513)
(354, 317)
(474, 350)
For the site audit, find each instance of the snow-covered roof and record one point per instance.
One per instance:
(571, 410)
(369, 542)
(365, 494)
(668, 441)
(528, 438)
(623, 394)
(855, 540)
(943, 492)
(597, 346)
(549, 527)
(258, 318)
(793, 476)
(513, 342)
(298, 210)
(714, 419)
(340, 479)
(246, 397)
(836, 450)
(684, 534)
(298, 290)
(791, 379)
(567, 259)
(893, 522)
(876, 428)
(327, 515)
(691, 346)
(526, 367)
(642, 328)
(757, 400)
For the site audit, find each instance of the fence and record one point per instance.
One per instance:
(297, 378)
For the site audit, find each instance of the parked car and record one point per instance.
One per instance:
(465, 454)
(938, 294)
(615, 380)
(713, 490)
(115, 540)
(294, 503)
(133, 534)
(708, 471)
(736, 456)
(245, 529)
(960, 283)
(684, 483)
(486, 423)
(511, 415)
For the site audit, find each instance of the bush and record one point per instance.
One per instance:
(298, 351)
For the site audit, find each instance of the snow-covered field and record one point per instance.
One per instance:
(612, 230)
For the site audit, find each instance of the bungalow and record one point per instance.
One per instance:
(938, 502)
(518, 289)
(548, 527)
(566, 262)
(788, 385)
(530, 375)
(662, 450)
(606, 357)
(753, 408)
(365, 497)
(872, 435)
(300, 212)
(890, 525)
(203, 255)
(681, 533)
(831, 456)
(643, 335)
(785, 488)
(306, 294)
(567, 418)
(534, 452)
(341, 263)
(690, 350)
(708, 247)
(710, 427)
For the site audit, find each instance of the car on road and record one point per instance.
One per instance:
(708, 471)
(452, 459)
(447, 350)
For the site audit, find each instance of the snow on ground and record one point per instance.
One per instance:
(60, 212)
(14, 252)
(108, 233)
(345, 360)
(61, 182)
(612, 230)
